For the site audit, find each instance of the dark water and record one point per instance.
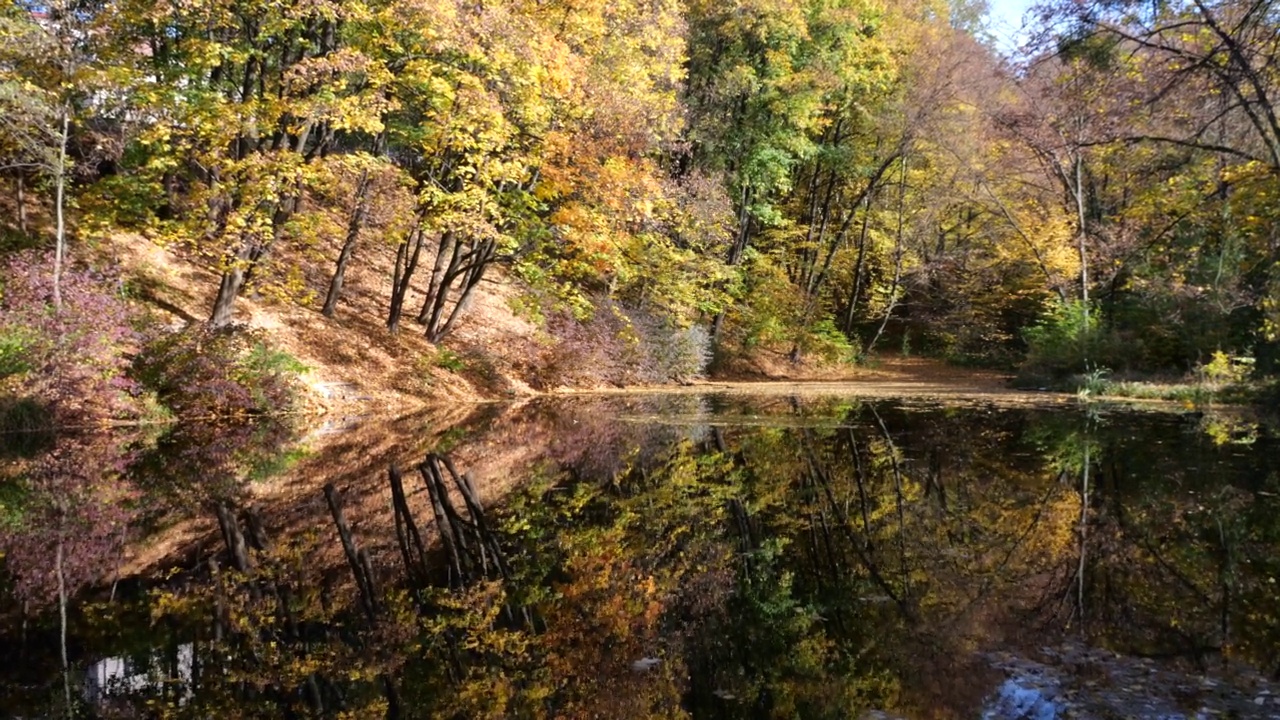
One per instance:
(712, 557)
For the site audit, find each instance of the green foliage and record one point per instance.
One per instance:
(24, 415)
(1066, 340)
(263, 369)
(447, 359)
(27, 427)
(14, 497)
(14, 342)
(11, 241)
(824, 340)
(268, 465)
(1223, 369)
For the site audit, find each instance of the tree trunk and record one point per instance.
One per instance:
(364, 582)
(897, 262)
(59, 203)
(1083, 532)
(441, 294)
(354, 226)
(406, 263)
(62, 617)
(430, 472)
(1084, 258)
(856, 293)
(735, 252)
(233, 538)
(471, 276)
(22, 202)
(252, 249)
(233, 280)
(436, 334)
(447, 244)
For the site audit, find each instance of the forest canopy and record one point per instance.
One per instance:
(804, 177)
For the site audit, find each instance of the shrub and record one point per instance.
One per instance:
(229, 371)
(14, 342)
(618, 345)
(1224, 369)
(665, 351)
(27, 427)
(74, 359)
(70, 500)
(827, 342)
(449, 360)
(586, 351)
(223, 455)
(1066, 340)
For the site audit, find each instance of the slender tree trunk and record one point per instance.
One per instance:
(404, 274)
(62, 618)
(354, 226)
(235, 277)
(856, 293)
(470, 279)
(1084, 534)
(816, 281)
(897, 262)
(59, 205)
(736, 251)
(1084, 238)
(441, 295)
(360, 570)
(744, 228)
(22, 202)
(1084, 256)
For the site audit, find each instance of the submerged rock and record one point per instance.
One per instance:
(1075, 681)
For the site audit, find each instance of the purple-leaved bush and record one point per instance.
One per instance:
(201, 372)
(76, 499)
(619, 345)
(75, 359)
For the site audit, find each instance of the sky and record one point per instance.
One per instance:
(1006, 20)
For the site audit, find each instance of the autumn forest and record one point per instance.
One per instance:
(259, 258)
(812, 178)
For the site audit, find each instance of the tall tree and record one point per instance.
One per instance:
(42, 57)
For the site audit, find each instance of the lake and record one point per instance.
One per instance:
(683, 555)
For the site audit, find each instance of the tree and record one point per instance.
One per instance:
(1200, 87)
(245, 97)
(42, 55)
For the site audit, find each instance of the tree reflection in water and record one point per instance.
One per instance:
(725, 557)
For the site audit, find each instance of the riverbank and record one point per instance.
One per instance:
(354, 364)
(497, 353)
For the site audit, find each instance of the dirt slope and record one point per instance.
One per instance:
(353, 359)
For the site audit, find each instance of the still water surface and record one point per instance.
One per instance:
(681, 556)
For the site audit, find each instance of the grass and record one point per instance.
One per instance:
(276, 464)
(1096, 385)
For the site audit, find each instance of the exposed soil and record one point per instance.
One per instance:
(353, 361)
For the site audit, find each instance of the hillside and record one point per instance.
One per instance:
(352, 358)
